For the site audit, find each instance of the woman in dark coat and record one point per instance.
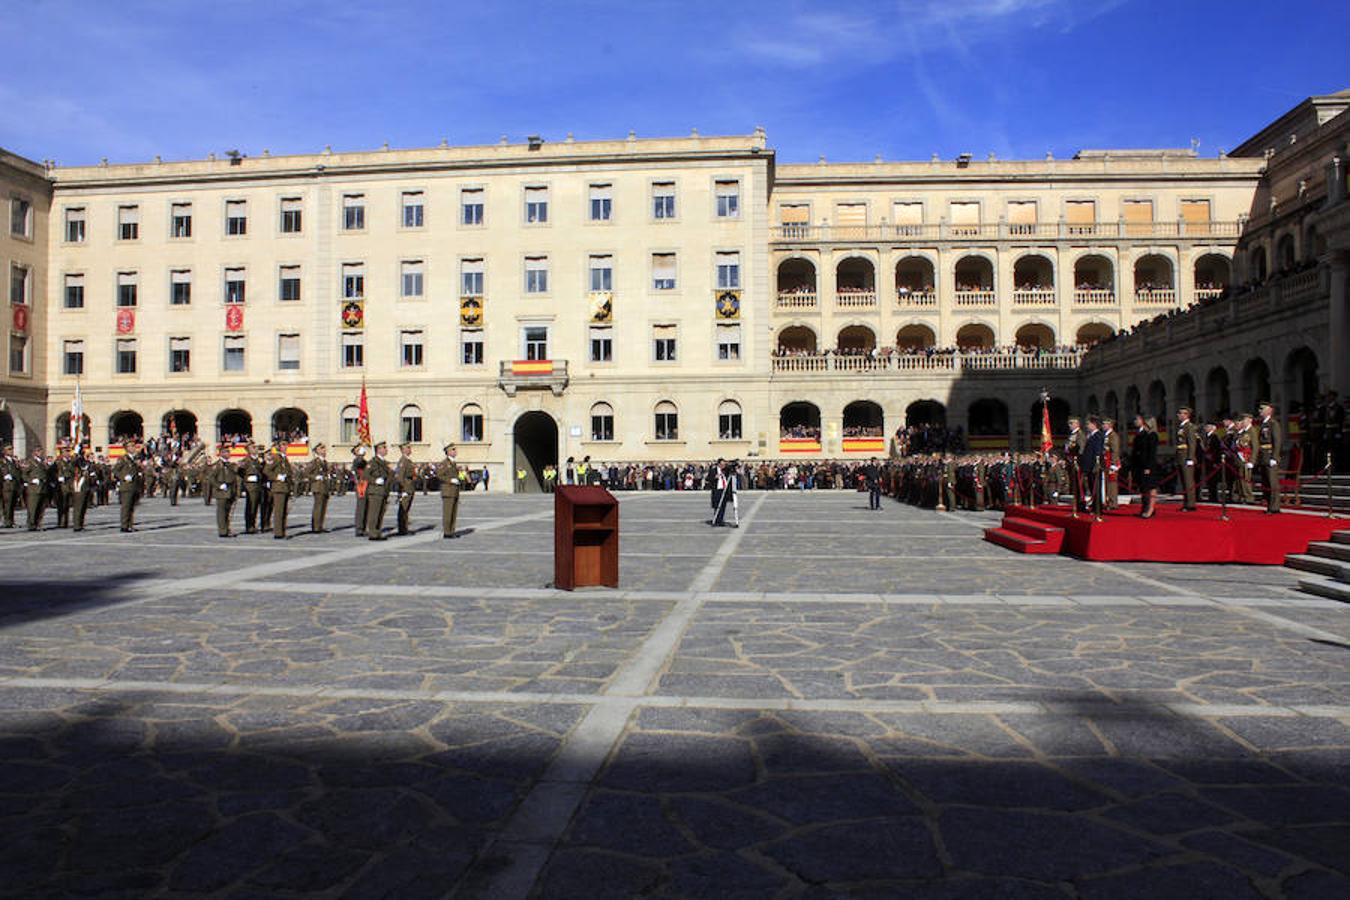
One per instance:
(1144, 462)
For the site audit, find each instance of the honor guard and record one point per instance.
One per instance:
(1269, 443)
(63, 472)
(405, 484)
(281, 481)
(1113, 462)
(35, 488)
(251, 474)
(319, 472)
(1244, 445)
(378, 478)
(447, 472)
(1073, 449)
(11, 478)
(265, 508)
(81, 488)
(362, 486)
(1187, 446)
(129, 478)
(222, 481)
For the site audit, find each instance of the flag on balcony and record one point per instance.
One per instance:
(1047, 439)
(363, 417)
(77, 417)
(532, 367)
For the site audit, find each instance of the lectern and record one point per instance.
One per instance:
(585, 537)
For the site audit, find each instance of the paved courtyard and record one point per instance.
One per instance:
(827, 702)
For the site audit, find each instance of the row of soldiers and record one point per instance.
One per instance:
(68, 484)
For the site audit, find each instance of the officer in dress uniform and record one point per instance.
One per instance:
(63, 471)
(222, 480)
(447, 472)
(11, 477)
(1269, 443)
(35, 488)
(405, 477)
(362, 486)
(1211, 460)
(1244, 446)
(265, 509)
(1073, 449)
(281, 481)
(251, 473)
(319, 472)
(1186, 451)
(129, 478)
(172, 477)
(378, 478)
(81, 489)
(1112, 439)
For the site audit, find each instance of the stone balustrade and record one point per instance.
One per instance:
(939, 362)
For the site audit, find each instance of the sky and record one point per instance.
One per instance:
(901, 79)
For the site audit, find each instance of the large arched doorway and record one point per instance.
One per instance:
(179, 422)
(1035, 336)
(915, 337)
(1216, 392)
(796, 340)
(62, 429)
(536, 446)
(987, 416)
(856, 339)
(6, 429)
(125, 424)
(1301, 380)
(234, 425)
(926, 412)
(1255, 383)
(975, 337)
(799, 420)
(290, 424)
(1092, 333)
(863, 418)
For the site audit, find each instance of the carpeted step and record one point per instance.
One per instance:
(1325, 587)
(1021, 543)
(1032, 529)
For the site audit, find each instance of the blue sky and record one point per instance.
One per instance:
(129, 79)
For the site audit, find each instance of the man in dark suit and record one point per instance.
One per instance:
(1090, 462)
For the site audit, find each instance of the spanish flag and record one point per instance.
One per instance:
(798, 445)
(532, 367)
(864, 445)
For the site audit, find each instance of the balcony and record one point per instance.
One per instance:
(532, 375)
(796, 301)
(804, 233)
(908, 299)
(1156, 297)
(1034, 297)
(999, 361)
(1094, 297)
(975, 298)
(1203, 295)
(855, 299)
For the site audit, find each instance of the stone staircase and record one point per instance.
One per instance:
(1313, 493)
(1327, 567)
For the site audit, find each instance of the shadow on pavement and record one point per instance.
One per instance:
(31, 601)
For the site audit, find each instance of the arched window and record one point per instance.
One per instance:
(350, 419)
(602, 422)
(729, 420)
(471, 423)
(667, 421)
(410, 422)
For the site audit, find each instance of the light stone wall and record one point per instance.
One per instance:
(22, 393)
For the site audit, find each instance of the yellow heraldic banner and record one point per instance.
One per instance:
(728, 304)
(602, 306)
(471, 310)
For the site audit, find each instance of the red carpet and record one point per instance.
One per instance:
(1249, 536)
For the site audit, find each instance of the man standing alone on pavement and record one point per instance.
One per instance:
(447, 472)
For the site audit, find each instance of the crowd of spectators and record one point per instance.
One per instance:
(785, 352)
(930, 438)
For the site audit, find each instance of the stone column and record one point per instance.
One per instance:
(1338, 337)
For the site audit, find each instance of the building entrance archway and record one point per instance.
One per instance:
(535, 441)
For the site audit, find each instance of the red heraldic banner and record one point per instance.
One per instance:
(126, 321)
(20, 317)
(234, 318)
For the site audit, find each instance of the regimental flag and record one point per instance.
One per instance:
(363, 417)
(532, 367)
(1047, 439)
(77, 417)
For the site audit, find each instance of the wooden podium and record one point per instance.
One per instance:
(585, 537)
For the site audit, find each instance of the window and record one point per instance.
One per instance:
(728, 342)
(602, 343)
(292, 215)
(353, 212)
(728, 271)
(410, 422)
(663, 271)
(471, 347)
(410, 277)
(663, 343)
(235, 286)
(729, 421)
(180, 354)
(20, 217)
(602, 422)
(471, 278)
(410, 349)
(471, 424)
(19, 279)
(536, 274)
(126, 356)
(1022, 216)
(234, 353)
(1138, 216)
(535, 339)
(288, 352)
(536, 205)
(1080, 216)
(288, 286)
(795, 219)
(602, 273)
(72, 355)
(908, 217)
(728, 194)
(353, 350)
(471, 206)
(602, 202)
(74, 298)
(353, 281)
(128, 223)
(412, 209)
(349, 427)
(75, 225)
(180, 287)
(663, 200)
(964, 217)
(236, 217)
(126, 288)
(18, 353)
(180, 220)
(667, 421)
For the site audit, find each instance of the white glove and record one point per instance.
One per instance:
(61, 478)
(1190, 462)
(124, 478)
(9, 477)
(253, 478)
(1251, 465)
(281, 478)
(1272, 462)
(224, 487)
(379, 481)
